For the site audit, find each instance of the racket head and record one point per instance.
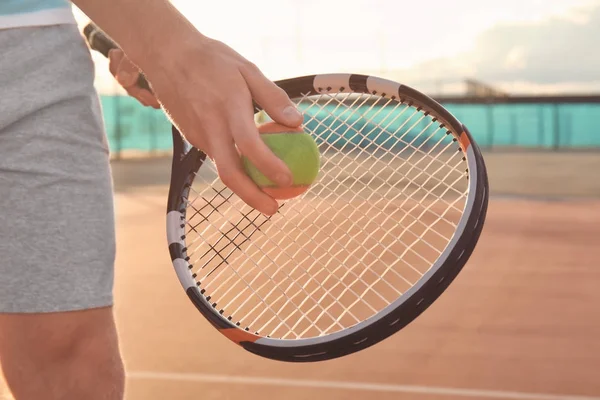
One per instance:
(210, 231)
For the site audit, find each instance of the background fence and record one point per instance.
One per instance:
(550, 123)
(556, 123)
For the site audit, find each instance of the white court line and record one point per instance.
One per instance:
(371, 387)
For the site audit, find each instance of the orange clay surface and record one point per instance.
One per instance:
(522, 321)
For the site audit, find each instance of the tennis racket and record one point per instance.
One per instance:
(396, 212)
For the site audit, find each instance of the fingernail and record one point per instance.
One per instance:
(291, 112)
(273, 209)
(283, 180)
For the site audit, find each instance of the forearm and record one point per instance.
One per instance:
(205, 87)
(144, 29)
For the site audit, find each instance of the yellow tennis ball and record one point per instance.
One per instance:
(297, 149)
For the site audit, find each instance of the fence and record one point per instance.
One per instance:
(132, 127)
(555, 123)
(552, 123)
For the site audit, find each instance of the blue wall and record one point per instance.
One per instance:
(531, 125)
(555, 126)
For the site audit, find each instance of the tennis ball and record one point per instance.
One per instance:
(297, 149)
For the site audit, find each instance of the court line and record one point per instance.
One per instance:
(365, 386)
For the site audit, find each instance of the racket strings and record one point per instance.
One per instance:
(249, 284)
(309, 273)
(429, 177)
(358, 296)
(225, 234)
(394, 135)
(413, 166)
(217, 254)
(390, 193)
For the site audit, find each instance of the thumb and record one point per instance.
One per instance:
(272, 98)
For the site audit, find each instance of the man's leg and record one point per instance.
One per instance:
(57, 334)
(72, 355)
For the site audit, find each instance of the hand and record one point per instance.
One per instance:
(204, 87)
(207, 89)
(126, 73)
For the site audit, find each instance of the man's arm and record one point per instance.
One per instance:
(144, 29)
(205, 87)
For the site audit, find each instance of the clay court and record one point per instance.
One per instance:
(520, 322)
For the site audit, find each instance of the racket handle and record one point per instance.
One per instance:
(99, 41)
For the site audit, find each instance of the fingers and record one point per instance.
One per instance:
(225, 125)
(271, 97)
(114, 60)
(245, 134)
(231, 173)
(126, 73)
(143, 96)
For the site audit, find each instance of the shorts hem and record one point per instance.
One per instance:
(103, 302)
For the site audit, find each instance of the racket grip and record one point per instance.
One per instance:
(99, 41)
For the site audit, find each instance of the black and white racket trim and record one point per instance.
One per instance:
(400, 312)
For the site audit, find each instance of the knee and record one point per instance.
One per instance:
(90, 355)
(62, 349)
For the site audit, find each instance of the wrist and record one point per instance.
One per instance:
(166, 59)
(150, 32)
(163, 39)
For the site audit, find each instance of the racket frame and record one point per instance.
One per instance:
(396, 315)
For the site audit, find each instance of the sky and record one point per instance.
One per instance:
(520, 46)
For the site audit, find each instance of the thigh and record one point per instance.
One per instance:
(56, 209)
